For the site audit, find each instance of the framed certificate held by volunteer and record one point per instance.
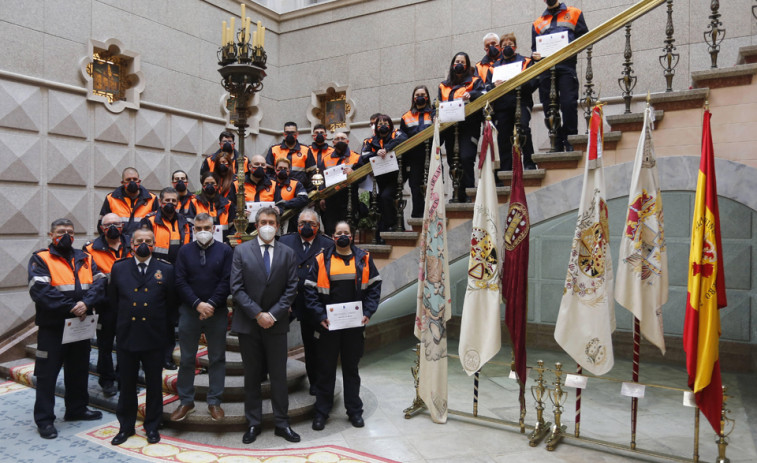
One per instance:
(345, 315)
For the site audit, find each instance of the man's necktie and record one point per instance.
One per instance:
(306, 246)
(142, 268)
(267, 259)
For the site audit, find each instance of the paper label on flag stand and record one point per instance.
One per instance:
(550, 44)
(689, 399)
(384, 165)
(334, 175)
(633, 390)
(576, 381)
(514, 375)
(452, 111)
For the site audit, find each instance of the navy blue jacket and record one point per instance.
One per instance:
(209, 283)
(305, 262)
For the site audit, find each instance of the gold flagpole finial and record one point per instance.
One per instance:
(649, 97)
(488, 111)
(707, 105)
(516, 138)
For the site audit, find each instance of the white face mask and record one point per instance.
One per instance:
(267, 233)
(204, 238)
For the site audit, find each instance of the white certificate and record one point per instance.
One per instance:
(632, 390)
(549, 44)
(385, 165)
(345, 315)
(217, 233)
(452, 111)
(254, 207)
(506, 71)
(75, 329)
(334, 175)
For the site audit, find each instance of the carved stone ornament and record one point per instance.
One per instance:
(112, 75)
(333, 107)
(228, 112)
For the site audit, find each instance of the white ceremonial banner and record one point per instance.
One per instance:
(334, 175)
(452, 111)
(345, 315)
(506, 71)
(384, 165)
(642, 280)
(75, 329)
(480, 327)
(434, 302)
(586, 318)
(550, 44)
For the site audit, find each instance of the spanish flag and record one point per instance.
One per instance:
(706, 289)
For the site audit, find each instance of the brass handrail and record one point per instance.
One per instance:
(590, 38)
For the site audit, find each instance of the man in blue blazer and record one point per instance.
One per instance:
(307, 242)
(264, 285)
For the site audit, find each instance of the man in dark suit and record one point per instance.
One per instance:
(306, 243)
(264, 285)
(142, 290)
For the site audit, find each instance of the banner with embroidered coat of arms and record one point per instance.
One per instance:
(587, 311)
(642, 281)
(480, 338)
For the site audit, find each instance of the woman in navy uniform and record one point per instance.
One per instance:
(142, 290)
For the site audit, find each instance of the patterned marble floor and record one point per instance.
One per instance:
(665, 425)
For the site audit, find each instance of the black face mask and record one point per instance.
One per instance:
(383, 130)
(306, 231)
(508, 51)
(209, 189)
(181, 187)
(63, 243)
(320, 138)
(112, 232)
(554, 3)
(289, 139)
(459, 68)
(227, 148)
(258, 172)
(493, 52)
(143, 250)
(343, 241)
(132, 187)
(282, 175)
(168, 209)
(222, 169)
(340, 146)
(420, 101)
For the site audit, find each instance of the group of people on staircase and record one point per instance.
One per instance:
(165, 261)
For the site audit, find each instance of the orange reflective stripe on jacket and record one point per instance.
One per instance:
(123, 209)
(251, 190)
(482, 69)
(338, 271)
(62, 274)
(459, 91)
(104, 259)
(165, 236)
(212, 164)
(351, 160)
(220, 217)
(567, 18)
(298, 158)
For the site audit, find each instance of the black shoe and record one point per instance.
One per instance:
(319, 423)
(567, 147)
(251, 434)
(357, 421)
(87, 415)
(47, 431)
(169, 365)
(153, 437)
(312, 390)
(287, 433)
(121, 437)
(109, 389)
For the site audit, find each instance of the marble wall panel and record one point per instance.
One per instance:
(68, 161)
(433, 20)
(73, 204)
(110, 127)
(151, 129)
(67, 114)
(396, 62)
(110, 161)
(185, 134)
(14, 258)
(20, 154)
(30, 40)
(153, 169)
(210, 133)
(20, 106)
(21, 214)
(22, 12)
(190, 165)
(70, 20)
(16, 308)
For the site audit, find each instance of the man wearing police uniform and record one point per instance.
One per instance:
(341, 274)
(109, 247)
(306, 242)
(63, 283)
(142, 289)
(131, 201)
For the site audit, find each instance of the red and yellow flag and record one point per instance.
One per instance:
(706, 289)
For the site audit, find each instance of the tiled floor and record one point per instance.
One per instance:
(665, 425)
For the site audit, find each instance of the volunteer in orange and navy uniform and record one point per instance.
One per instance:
(180, 182)
(372, 119)
(258, 187)
(504, 109)
(320, 147)
(172, 231)
(131, 201)
(300, 157)
(462, 84)
(110, 246)
(344, 274)
(288, 193)
(64, 283)
(211, 202)
(420, 116)
(225, 144)
(561, 18)
(334, 208)
(384, 140)
(493, 53)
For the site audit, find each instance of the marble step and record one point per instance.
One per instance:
(377, 250)
(678, 100)
(234, 366)
(611, 140)
(632, 122)
(416, 223)
(459, 210)
(503, 193)
(403, 238)
(741, 74)
(558, 160)
(747, 55)
(530, 177)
